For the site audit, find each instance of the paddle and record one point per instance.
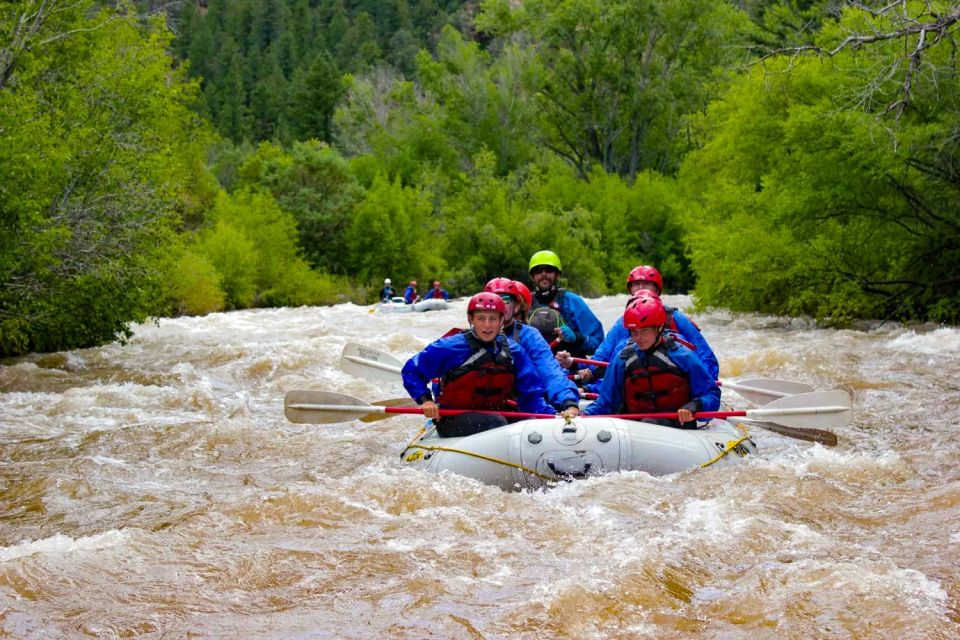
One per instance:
(792, 415)
(827, 438)
(367, 362)
(313, 406)
(823, 408)
(761, 390)
(596, 363)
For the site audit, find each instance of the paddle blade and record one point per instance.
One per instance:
(763, 390)
(369, 363)
(314, 406)
(826, 438)
(818, 409)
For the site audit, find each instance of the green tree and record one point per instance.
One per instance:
(828, 187)
(386, 125)
(388, 234)
(314, 184)
(252, 244)
(486, 102)
(359, 49)
(98, 144)
(233, 113)
(616, 78)
(493, 224)
(315, 99)
(638, 223)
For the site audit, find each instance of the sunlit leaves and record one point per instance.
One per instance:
(98, 144)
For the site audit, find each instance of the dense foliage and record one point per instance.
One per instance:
(97, 146)
(273, 69)
(786, 157)
(815, 200)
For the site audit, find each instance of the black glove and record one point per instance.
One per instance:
(693, 406)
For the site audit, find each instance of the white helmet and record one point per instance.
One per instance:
(386, 281)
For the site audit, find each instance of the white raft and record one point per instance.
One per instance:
(397, 305)
(533, 453)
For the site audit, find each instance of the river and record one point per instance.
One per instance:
(155, 490)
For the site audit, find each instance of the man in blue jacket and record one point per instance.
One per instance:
(479, 369)
(410, 294)
(653, 373)
(561, 315)
(436, 291)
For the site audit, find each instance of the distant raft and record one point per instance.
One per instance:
(534, 453)
(397, 305)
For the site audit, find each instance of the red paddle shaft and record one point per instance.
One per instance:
(518, 414)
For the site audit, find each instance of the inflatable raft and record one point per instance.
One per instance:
(397, 305)
(534, 453)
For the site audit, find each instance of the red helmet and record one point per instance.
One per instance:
(486, 301)
(524, 295)
(645, 273)
(503, 287)
(642, 293)
(644, 311)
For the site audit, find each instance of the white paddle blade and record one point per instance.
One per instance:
(314, 406)
(763, 390)
(820, 409)
(369, 363)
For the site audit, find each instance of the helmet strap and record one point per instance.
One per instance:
(659, 340)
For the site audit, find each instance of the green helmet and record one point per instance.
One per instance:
(546, 257)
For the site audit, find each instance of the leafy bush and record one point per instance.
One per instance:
(194, 285)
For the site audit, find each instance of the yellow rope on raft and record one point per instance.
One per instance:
(424, 431)
(731, 445)
(481, 456)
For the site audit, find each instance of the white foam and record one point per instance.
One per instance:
(910, 587)
(709, 519)
(61, 544)
(940, 341)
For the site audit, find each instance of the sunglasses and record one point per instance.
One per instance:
(507, 298)
(541, 269)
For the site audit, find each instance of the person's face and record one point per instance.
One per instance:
(645, 337)
(642, 285)
(486, 324)
(544, 276)
(511, 304)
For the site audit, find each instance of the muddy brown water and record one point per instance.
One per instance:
(155, 490)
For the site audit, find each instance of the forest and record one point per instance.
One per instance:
(788, 157)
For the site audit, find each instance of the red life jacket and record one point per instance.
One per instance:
(484, 381)
(655, 385)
